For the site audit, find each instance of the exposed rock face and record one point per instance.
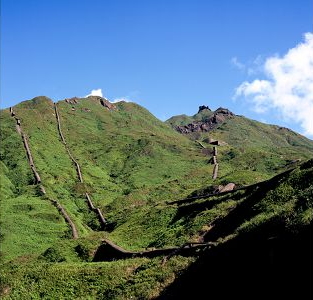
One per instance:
(224, 188)
(106, 103)
(228, 187)
(219, 116)
(282, 128)
(224, 111)
(103, 101)
(73, 100)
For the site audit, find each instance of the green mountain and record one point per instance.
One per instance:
(250, 151)
(102, 200)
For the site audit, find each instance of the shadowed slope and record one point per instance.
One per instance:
(250, 267)
(265, 245)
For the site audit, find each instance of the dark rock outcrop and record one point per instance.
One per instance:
(218, 117)
(202, 107)
(106, 103)
(73, 100)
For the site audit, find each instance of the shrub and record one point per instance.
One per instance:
(52, 255)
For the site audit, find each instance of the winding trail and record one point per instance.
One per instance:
(37, 177)
(91, 206)
(215, 171)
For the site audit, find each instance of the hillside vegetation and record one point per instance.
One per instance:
(154, 187)
(250, 151)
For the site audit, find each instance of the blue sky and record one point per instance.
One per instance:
(168, 56)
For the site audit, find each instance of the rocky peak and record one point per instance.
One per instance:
(202, 107)
(219, 116)
(224, 111)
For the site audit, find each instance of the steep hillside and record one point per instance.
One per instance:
(265, 248)
(84, 180)
(250, 151)
(28, 224)
(128, 159)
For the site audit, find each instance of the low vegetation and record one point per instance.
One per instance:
(154, 187)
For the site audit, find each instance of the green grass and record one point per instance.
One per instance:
(13, 155)
(124, 279)
(291, 203)
(133, 165)
(51, 158)
(31, 225)
(254, 150)
(131, 148)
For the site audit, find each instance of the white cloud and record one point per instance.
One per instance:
(97, 92)
(251, 67)
(126, 99)
(256, 66)
(234, 60)
(288, 86)
(131, 96)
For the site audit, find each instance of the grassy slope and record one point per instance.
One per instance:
(257, 151)
(254, 151)
(124, 279)
(129, 148)
(251, 226)
(130, 160)
(266, 245)
(29, 224)
(131, 164)
(51, 158)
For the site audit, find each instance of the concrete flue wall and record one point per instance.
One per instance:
(214, 151)
(108, 251)
(26, 146)
(214, 161)
(97, 211)
(77, 166)
(67, 218)
(37, 177)
(215, 171)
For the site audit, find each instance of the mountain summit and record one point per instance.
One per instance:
(204, 121)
